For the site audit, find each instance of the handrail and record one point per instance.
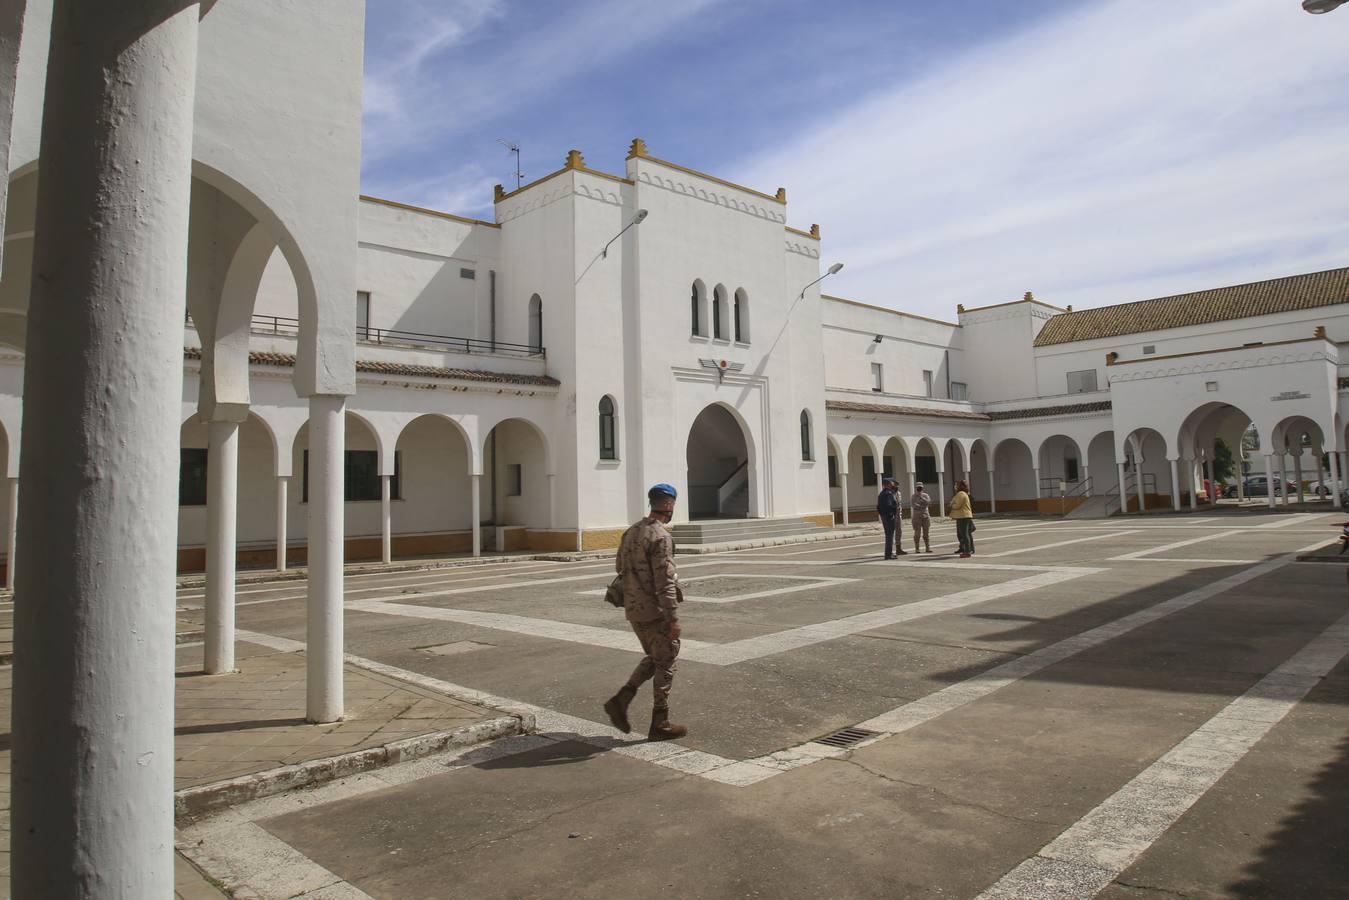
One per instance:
(727, 480)
(1083, 488)
(287, 326)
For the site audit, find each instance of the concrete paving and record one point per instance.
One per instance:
(1049, 718)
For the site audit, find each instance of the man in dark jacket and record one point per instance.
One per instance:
(887, 507)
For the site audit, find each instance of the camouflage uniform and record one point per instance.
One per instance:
(921, 518)
(651, 596)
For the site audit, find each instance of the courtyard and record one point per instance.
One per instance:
(1117, 708)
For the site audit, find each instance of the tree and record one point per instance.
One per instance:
(1223, 465)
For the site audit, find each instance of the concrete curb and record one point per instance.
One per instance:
(835, 535)
(190, 804)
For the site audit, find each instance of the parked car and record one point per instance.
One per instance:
(1319, 488)
(1257, 486)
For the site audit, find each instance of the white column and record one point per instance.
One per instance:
(281, 527)
(1282, 473)
(1269, 477)
(992, 498)
(1175, 484)
(1194, 481)
(941, 493)
(1123, 492)
(324, 627)
(1035, 476)
(1138, 485)
(1321, 471)
(843, 490)
(476, 521)
(1335, 479)
(222, 503)
(386, 517)
(94, 651)
(1241, 473)
(1297, 474)
(1086, 480)
(12, 533)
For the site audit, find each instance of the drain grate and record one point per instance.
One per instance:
(847, 737)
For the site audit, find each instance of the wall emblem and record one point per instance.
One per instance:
(1291, 395)
(721, 367)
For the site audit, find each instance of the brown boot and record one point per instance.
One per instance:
(662, 729)
(617, 708)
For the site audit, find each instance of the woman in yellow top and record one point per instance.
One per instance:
(964, 516)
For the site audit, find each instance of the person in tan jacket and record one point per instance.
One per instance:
(963, 514)
(651, 598)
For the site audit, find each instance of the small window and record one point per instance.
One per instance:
(536, 322)
(927, 382)
(877, 377)
(608, 437)
(363, 315)
(1083, 382)
(741, 316)
(833, 471)
(360, 476)
(468, 273)
(1070, 470)
(888, 466)
(959, 391)
(1149, 348)
(191, 477)
(1210, 386)
(697, 302)
(514, 480)
(868, 471)
(806, 455)
(718, 310)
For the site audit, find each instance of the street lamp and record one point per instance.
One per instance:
(636, 220)
(1317, 7)
(833, 270)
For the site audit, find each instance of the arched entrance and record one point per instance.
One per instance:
(721, 470)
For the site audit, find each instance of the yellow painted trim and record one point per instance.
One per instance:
(601, 538)
(638, 151)
(503, 194)
(814, 232)
(886, 309)
(430, 212)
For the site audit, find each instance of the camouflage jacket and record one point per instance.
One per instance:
(646, 562)
(920, 501)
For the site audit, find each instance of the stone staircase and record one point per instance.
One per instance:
(726, 531)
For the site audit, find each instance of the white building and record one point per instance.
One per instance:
(413, 382)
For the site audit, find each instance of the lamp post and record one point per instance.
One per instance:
(1317, 7)
(833, 270)
(636, 220)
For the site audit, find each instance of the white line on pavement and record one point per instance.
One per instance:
(1140, 554)
(1205, 562)
(812, 582)
(247, 856)
(1107, 840)
(1094, 537)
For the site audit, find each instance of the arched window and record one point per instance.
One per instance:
(741, 332)
(696, 329)
(536, 322)
(718, 311)
(608, 433)
(806, 451)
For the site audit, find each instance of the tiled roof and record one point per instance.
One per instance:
(403, 369)
(1240, 301)
(1034, 412)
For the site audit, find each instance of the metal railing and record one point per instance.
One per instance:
(286, 326)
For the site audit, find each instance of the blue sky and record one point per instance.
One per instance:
(951, 152)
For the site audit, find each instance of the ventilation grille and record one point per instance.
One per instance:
(848, 737)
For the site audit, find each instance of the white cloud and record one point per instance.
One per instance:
(1129, 149)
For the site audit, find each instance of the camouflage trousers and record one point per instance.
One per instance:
(658, 663)
(921, 530)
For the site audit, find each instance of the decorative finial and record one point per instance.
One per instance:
(1029, 296)
(815, 232)
(1320, 331)
(1111, 357)
(638, 148)
(575, 160)
(960, 307)
(782, 195)
(498, 193)
(1070, 307)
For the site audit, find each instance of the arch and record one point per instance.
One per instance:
(1059, 460)
(433, 476)
(517, 483)
(608, 422)
(807, 437)
(722, 465)
(535, 322)
(1102, 463)
(719, 313)
(1014, 475)
(698, 324)
(922, 470)
(740, 317)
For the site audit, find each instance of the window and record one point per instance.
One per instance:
(1210, 386)
(868, 471)
(718, 310)
(833, 471)
(959, 391)
(492, 308)
(741, 332)
(806, 455)
(1083, 382)
(888, 466)
(1070, 470)
(927, 382)
(468, 273)
(362, 314)
(696, 329)
(191, 477)
(1150, 348)
(515, 480)
(360, 476)
(536, 322)
(925, 470)
(608, 438)
(877, 377)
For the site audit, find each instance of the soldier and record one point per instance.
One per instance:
(887, 507)
(651, 598)
(921, 518)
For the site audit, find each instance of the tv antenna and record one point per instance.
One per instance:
(514, 148)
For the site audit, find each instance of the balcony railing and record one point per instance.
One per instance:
(286, 326)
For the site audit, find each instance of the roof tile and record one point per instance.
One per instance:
(388, 368)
